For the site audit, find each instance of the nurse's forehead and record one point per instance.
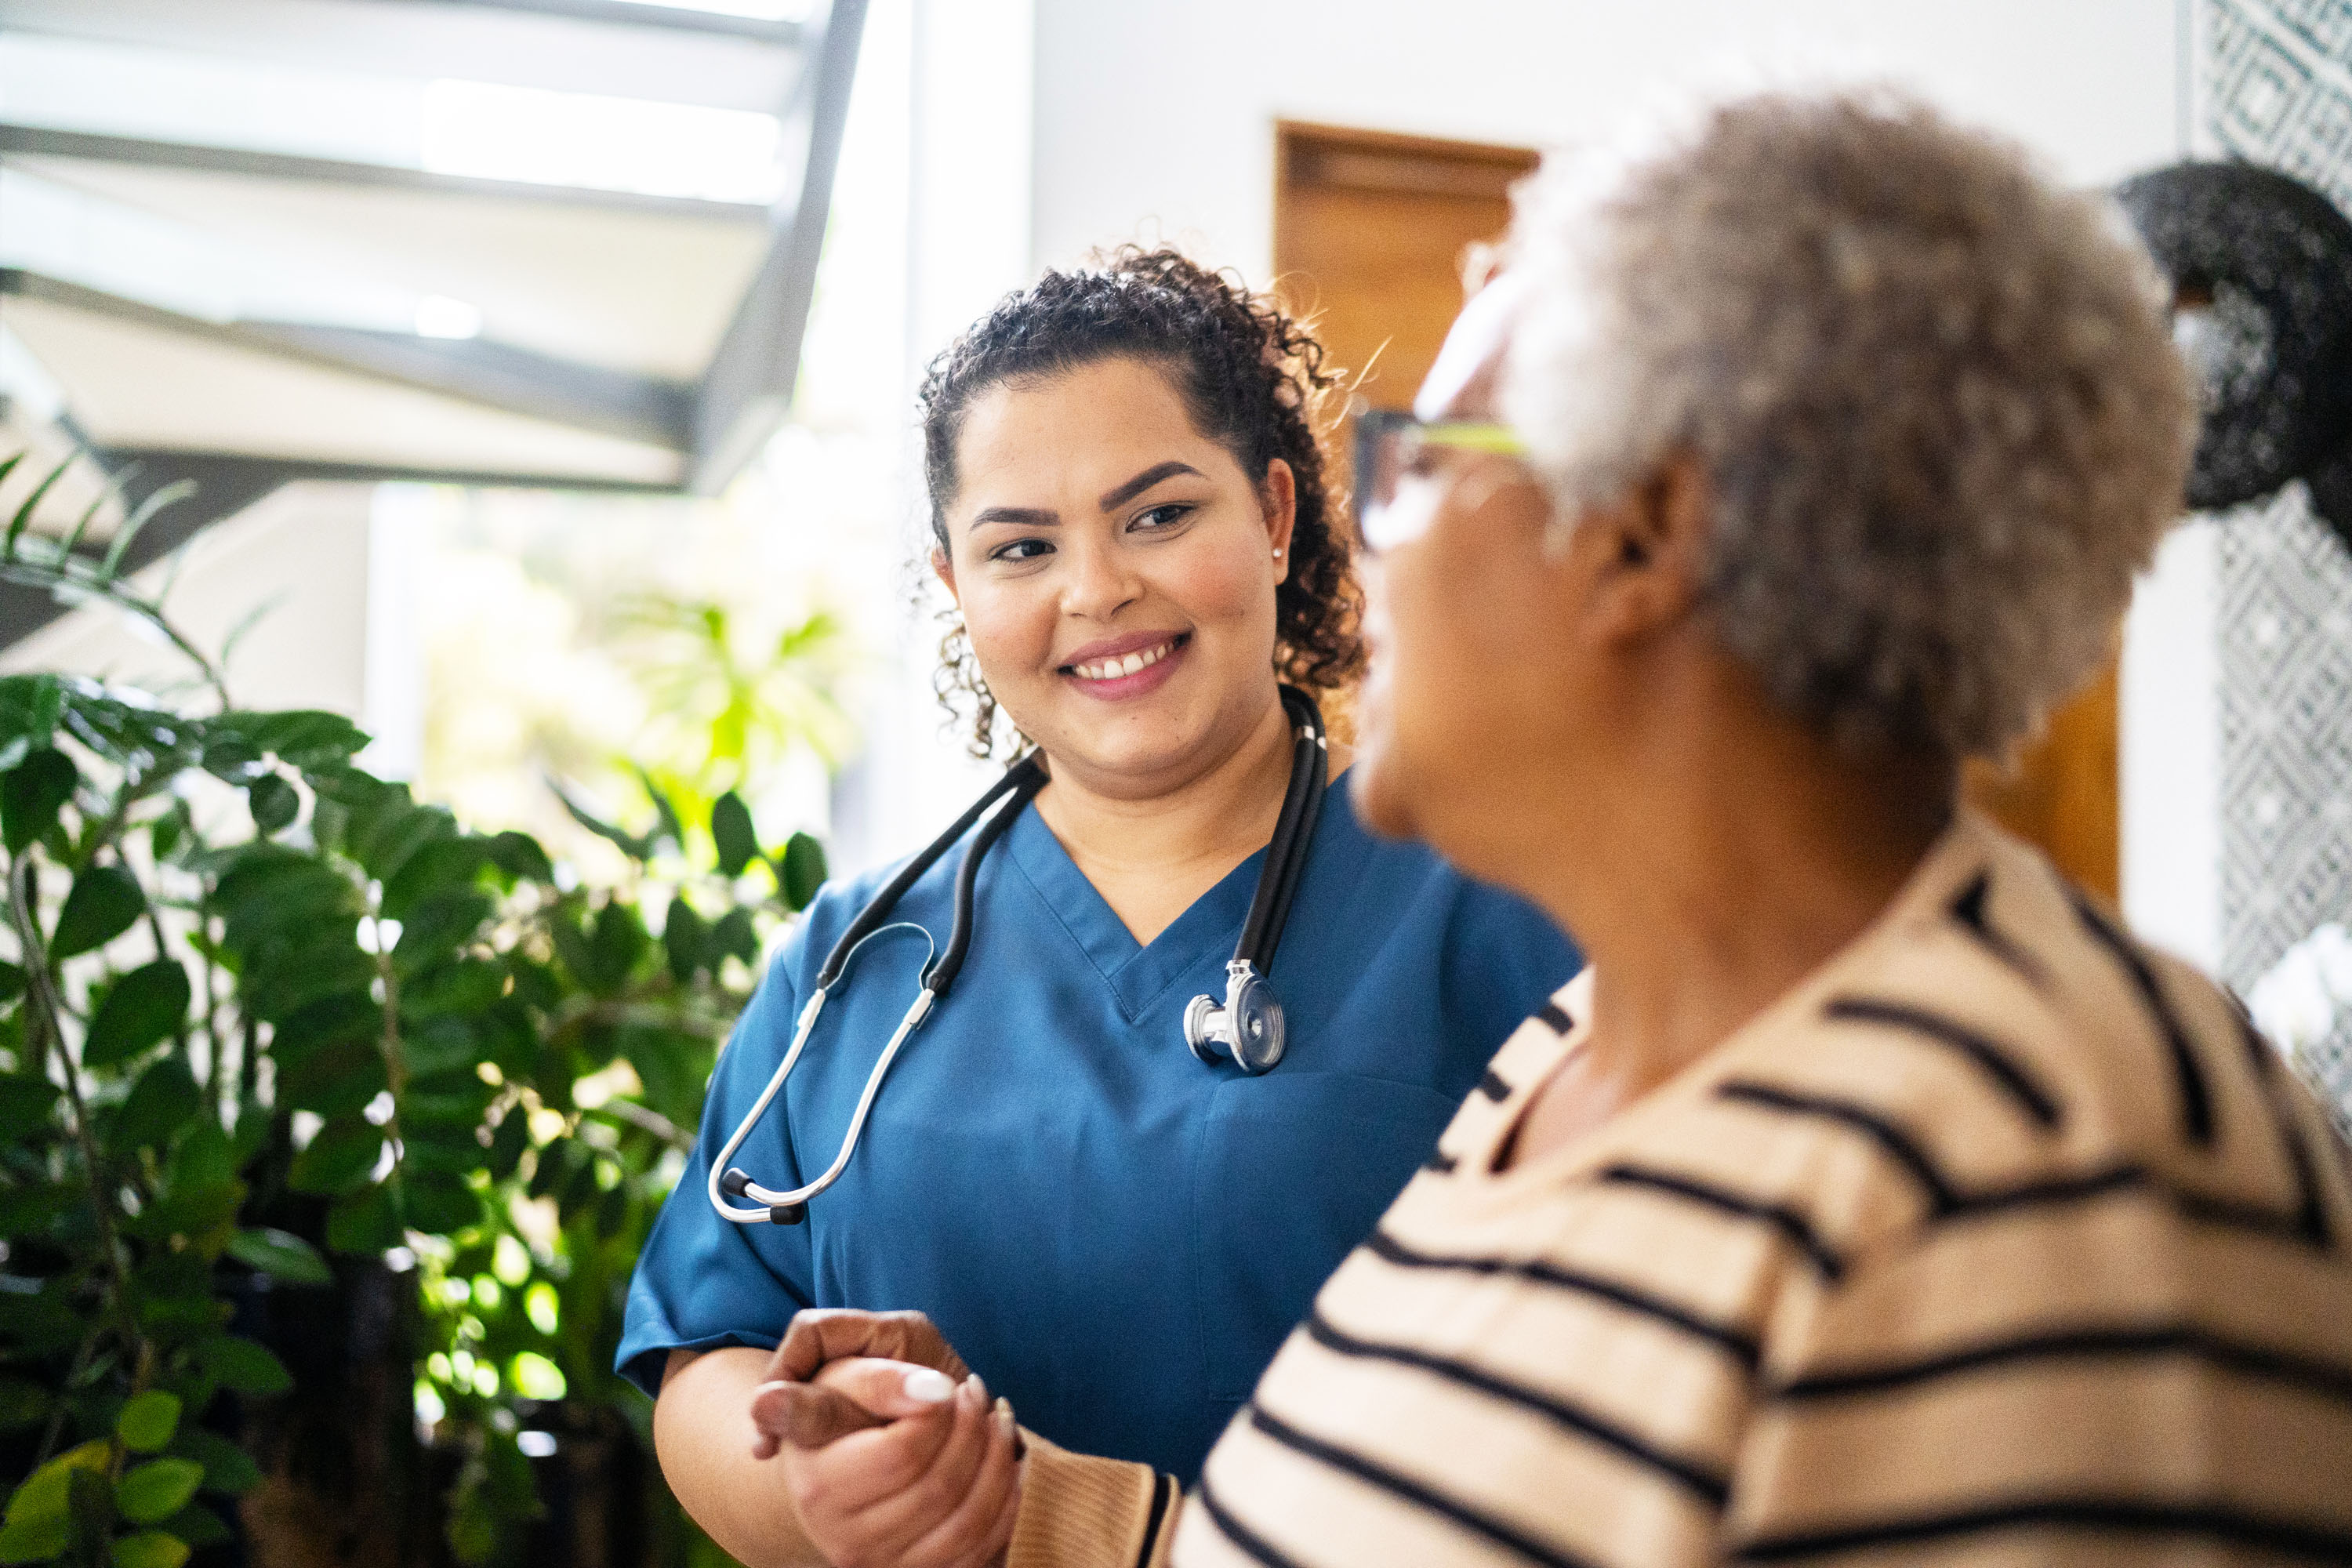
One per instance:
(1064, 443)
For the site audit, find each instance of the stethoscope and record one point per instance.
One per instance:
(1246, 1028)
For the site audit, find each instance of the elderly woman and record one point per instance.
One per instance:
(1871, 1196)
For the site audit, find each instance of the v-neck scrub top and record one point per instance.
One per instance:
(1113, 1233)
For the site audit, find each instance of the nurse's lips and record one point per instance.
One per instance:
(1121, 668)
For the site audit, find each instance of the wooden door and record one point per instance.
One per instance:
(1369, 235)
(1370, 230)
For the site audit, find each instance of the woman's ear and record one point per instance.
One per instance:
(943, 568)
(1647, 552)
(1278, 499)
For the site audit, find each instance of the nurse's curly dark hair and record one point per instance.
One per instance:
(1253, 380)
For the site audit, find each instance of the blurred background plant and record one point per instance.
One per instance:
(330, 1127)
(603, 643)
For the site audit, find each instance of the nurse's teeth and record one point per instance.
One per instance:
(1112, 669)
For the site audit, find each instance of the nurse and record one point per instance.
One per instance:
(1130, 509)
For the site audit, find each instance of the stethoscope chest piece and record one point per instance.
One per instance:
(1244, 1029)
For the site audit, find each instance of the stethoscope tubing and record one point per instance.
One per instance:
(1009, 796)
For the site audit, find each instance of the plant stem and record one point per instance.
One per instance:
(40, 990)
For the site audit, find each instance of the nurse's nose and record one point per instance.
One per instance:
(1100, 582)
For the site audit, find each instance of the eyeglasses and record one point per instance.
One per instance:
(1398, 460)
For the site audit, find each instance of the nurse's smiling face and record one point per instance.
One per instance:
(1116, 569)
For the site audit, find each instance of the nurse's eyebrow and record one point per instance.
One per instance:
(1022, 516)
(1119, 495)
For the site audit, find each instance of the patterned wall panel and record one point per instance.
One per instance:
(2277, 82)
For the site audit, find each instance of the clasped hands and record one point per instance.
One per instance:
(892, 1451)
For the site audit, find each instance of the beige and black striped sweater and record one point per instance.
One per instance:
(1999, 1240)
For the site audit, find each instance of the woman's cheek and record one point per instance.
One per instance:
(1011, 635)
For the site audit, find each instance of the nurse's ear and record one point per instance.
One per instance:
(1277, 500)
(943, 568)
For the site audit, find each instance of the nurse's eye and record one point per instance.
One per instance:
(1160, 517)
(1021, 549)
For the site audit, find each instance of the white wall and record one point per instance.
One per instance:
(1157, 115)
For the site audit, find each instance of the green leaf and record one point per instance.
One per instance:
(443, 1045)
(12, 981)
(730, 830)
(158, 1488)
(227, 1467)
(301, 738)
(35, 1540)
(146, 1422)
(686, 937)
(140, 1009)
(519, 855)
(127, 729)
(151, 1549)
(386, 826)
(30, 708)
(670, 828)
(205, 1157)
(438, 926)
(198, 1526)
(450, 864)
(275, 804)
(26, 1104)
(802, 871)
(172, 835)
(735, 935)
(145, 513)
(465, 987)
(104, 903)
(507, 1144)
(335, 1081)
(31, 1211)
(635, 847)
(31, 504)
(616, 940)
(32, 794)
(48, 1494)
(243, 1366)
(441, 1205)
(232, 759)
(284, 1256)
(367, 1222)
(338, 1159)
(162, 1103)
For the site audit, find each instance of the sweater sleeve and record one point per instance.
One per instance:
(1079, 1511)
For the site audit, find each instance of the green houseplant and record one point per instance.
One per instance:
(266, 1022)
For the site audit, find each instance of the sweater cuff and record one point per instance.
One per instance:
(1079, 1511)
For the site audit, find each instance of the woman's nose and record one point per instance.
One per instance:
(1099, 583)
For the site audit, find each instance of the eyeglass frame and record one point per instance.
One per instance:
(1375, 426)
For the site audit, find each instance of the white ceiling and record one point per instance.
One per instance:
(189, 165)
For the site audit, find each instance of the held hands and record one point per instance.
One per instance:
(891, 1451)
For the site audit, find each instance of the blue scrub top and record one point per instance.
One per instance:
(1116, 1235)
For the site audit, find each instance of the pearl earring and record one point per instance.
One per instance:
(1277, 555)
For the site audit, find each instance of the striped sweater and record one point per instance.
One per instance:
(2001, 1239)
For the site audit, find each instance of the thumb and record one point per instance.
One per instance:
(849, 1397)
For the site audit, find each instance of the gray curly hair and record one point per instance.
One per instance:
(1934, 396)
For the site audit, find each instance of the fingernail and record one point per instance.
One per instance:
(979, 1389)
(928, 1387)
(1004, 1418)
